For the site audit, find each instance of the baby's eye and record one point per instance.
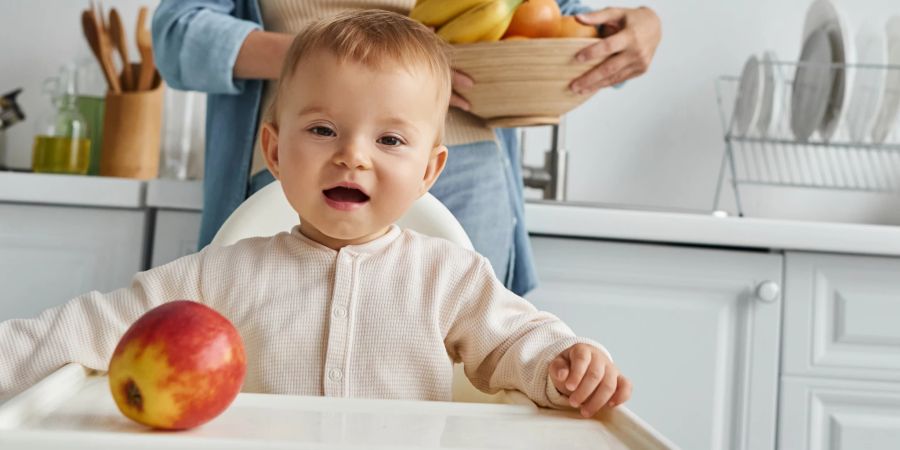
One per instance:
(390, 140)
(322, 131)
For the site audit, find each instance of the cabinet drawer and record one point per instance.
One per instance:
(50, 254)
(820, 413)
(841, 316)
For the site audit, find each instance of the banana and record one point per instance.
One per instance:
(435, 13)
(471, 25)
(497, 33)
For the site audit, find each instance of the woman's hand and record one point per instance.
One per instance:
(626, 52)
(460, 81)
(587, 376)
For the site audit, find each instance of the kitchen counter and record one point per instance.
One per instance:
(175, 194)
(706, 229)
(72, 190)
(549, 218)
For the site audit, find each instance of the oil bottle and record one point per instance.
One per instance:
(62, 143)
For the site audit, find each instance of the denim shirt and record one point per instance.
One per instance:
(195, 45)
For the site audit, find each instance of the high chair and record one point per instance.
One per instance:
(72, 408)
(267, 212)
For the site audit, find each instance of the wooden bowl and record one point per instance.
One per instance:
(522, 82)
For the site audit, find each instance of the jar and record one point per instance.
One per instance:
(62, 143)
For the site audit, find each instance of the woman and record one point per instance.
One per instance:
(219, 47)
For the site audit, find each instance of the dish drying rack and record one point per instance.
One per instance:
(777, 158)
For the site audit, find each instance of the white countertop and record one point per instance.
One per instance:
(175, 194)
(74, 190)
(560, 219)
(705, 229)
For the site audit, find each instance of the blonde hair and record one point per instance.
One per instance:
(376, 39)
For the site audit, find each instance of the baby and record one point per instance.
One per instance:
(346, 304)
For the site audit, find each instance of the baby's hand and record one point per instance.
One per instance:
(587, 376)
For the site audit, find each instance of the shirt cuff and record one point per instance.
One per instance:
(211, 46)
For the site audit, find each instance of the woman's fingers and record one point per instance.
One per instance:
(460, 81)
(459, 102)
(602, 16)
(595, 77)
(609, 46)
(626, 53)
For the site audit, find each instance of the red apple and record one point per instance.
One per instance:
(178, 366)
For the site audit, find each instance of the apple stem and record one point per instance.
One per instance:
(133, 394)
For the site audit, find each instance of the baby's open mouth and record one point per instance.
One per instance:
(346, 194)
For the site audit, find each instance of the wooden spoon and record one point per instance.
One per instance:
(100, 46)
(145, 48)
(117, 33)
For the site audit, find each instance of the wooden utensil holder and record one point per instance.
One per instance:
(131, 133)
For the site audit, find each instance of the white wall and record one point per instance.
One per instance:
(656, 142)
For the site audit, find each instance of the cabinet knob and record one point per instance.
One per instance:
(768, 291)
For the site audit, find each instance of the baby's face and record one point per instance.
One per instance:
(355, 146)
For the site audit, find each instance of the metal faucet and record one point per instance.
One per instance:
(551, 176)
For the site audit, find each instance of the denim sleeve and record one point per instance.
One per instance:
(572, 7)
(196, 43)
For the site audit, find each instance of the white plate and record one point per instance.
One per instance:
(890, 105)
(868, 83)
(812, 85)
(825, 15)
(771, 102)
(750, 90)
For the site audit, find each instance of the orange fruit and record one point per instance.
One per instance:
(535, 18)
(569, 26)
(515, 38)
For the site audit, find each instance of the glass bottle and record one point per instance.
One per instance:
(92, 105)
(62, 143)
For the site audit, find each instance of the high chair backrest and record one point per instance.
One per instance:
(267, 212)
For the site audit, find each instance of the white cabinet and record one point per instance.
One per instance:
(685, 324)
(50, 254)
(826, 414)
(841, 317)
(175, 235)
(841, 358)
(176, 205)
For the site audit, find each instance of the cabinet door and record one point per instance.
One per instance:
(841, 317)
(175, 235)
(50, 254)
(684, 324)
(819, 414)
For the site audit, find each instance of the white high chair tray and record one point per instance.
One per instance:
(72, 408)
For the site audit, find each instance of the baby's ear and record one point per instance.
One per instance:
(269, 145)
(436, 163)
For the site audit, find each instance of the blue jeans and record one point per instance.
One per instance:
(473, 186)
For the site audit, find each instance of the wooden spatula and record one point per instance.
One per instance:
(145, 48)
(101, 47)
(117, 33)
